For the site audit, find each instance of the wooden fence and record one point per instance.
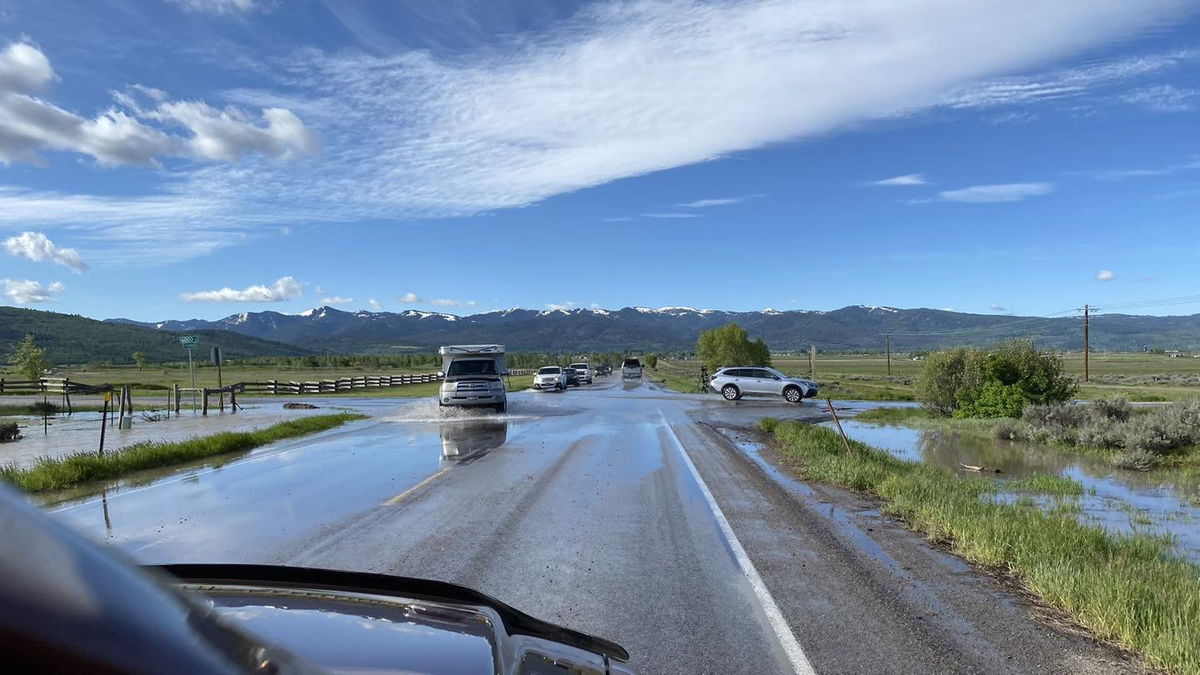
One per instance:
(65, 387)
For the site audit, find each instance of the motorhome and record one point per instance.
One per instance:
(473, 375)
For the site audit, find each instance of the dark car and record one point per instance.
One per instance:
(603, 370)
(68, 605)
(572, 376)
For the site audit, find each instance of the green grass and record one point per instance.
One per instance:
(10, 409)
(894, 415)
(686, 382)
(1047, 484)
(1130, 589)
(63, 472)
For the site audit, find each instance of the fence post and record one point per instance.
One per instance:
(205, 409)
(175, 395)
(104, 419)
(273, 383)
(66, 394)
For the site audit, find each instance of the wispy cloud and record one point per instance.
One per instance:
(906, 179)
(669, 215)
(997, 308)
(447, 302)
(1105, 275)
(375, 304)
(220, 6)
(285, 288)
(336, 300)
(1141, 172)
(618, 219)
(606, 94)
(38, 248)
(1163, 98)
(1065, 83)
(569, 304)
(410, 298)
(25, 292)
(721, 201)
(1004, 192)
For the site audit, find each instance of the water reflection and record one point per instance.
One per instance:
(470, 440)
(1119, 500)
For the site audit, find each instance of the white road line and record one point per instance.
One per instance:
(787, 639)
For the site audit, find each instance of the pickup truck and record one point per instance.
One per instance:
(631, 369)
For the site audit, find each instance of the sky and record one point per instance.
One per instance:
(171, 159)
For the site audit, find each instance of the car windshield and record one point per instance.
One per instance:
(472, 367)
(273, 291)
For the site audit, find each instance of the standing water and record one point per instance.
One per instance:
(1116, 499)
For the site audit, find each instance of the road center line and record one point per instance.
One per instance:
(400, 497)
(787, 639)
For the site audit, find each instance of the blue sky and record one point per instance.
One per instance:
(197, 158)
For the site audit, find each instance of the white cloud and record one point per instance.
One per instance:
(669, 215)
(906, 179)
(1066, 83)
(1005, 192)
(122, 135)
(218, 6)
(561, 305)
(705, 203)
(610, 93)
(285, 231)
(319, 290)
(997, 308)
(375, 304)
(24, 292)
(1105, 275)
(1163, 98)
(618, 219)
(410, 298)
(285, 288)
(446, 302)
(336, 300)
(605, 94)
(38, 248)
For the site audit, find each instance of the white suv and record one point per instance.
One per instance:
(735, 382)
(550, 377)
(584, 371)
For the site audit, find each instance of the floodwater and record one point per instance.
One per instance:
(67, 434)
(1116, 499)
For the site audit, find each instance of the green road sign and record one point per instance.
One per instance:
(189, 341)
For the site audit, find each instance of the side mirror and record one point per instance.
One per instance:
(441, 374)
(506, 373)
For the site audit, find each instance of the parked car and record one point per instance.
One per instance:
(550, 378)
(572, 376)
(735, 382)
(631, 369)
(583, 371)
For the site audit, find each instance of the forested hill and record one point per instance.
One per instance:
(74, 339)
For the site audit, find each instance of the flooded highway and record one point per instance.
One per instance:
(619, 509)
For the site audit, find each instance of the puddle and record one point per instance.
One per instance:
(1118, 500)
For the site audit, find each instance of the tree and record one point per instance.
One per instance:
(29, 360)
(651, 360)
(730, 346)
(140, 359)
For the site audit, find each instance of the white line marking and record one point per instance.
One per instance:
(787, 639)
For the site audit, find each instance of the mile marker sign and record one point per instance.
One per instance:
(189, 341)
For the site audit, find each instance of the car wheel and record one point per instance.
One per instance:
(558, 386)
(501, 407)
(730, 392)
(792, 394)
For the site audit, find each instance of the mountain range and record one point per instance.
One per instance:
(665, 329)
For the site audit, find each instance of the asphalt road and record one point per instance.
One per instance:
(617, 509)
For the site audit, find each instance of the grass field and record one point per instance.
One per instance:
(1130, 589)
(1137, 377)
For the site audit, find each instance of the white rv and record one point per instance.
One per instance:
(473, 375)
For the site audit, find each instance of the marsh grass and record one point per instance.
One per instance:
(1047, 484)
(53, 473)
(1131, 589)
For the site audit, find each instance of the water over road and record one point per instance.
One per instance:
(618, 509)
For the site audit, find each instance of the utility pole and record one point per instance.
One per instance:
(888, 348)
(812, 362)
(1085, 343)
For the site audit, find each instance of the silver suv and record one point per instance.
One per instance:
(735, 382)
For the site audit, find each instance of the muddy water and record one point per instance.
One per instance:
(1118, 500)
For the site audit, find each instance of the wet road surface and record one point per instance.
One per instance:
(616, 509)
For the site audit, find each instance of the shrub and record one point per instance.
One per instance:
(994, 400)
(9, 432)
(1116, 408)
(44, 408)
(1136, 460)
(973, 383)
(768, 424)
